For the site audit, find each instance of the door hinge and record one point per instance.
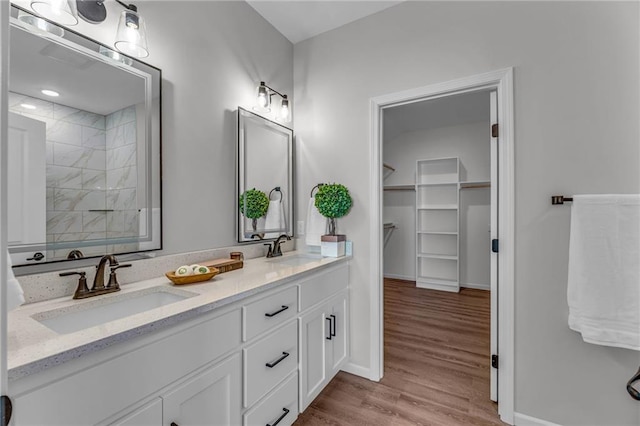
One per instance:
(494, 245)
(494, 130)
(494, 361)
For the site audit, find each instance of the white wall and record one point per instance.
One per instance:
(470, 143)
(212, 55)
(576, 131)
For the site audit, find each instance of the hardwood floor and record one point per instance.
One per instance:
(436, 360)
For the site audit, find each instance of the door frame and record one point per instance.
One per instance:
(501, 81)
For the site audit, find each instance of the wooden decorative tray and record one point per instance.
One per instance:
(191, 279)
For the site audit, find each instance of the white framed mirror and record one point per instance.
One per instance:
(264, 206)
(84, 149)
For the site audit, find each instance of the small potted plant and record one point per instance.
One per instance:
(253, 205)
(333, 201)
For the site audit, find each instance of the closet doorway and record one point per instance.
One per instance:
(445, 215)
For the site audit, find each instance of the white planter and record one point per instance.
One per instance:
(333, 245)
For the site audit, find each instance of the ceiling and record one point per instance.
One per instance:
(83, 82)
(442, 112)
(299, 20)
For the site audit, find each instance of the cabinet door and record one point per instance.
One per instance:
(211, 398)
(313, 338)
(147, 415)
(337, 347)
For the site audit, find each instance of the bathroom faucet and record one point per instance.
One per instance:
(276, 250)
(98, 281)
(82, 292)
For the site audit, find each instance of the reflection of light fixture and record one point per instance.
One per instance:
(115, 55)
(131, 37)
(60, 11)
(28, 106)
(40, 24)
(51, 93)
(263, 102)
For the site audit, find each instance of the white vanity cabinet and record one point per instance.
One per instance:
(257, 361)
(324, 332)
(210, 398)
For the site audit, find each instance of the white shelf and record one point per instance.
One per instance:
(437, 256)
(437, 208)
(437, 232)
(437, 183)
(440, 207)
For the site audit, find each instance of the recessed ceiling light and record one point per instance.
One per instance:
(28, 106)
(50, 92)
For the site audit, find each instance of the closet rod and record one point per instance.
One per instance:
(386, 166)
(560, 199)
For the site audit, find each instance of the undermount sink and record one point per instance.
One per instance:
(101, 311)
(296, 260)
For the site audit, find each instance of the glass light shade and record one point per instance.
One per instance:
(63, 12)
(263, 99)
(131, 38)
(285, 112)
(115, 55)
(40, 24)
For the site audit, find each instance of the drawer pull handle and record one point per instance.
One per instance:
(286, 411)
(277, 361)
(333, 324)
(273, 314)
(329, 328)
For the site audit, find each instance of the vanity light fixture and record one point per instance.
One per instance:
(40, 24)
(63, 12)
(51, 93)
(131, 37)
(263, 102)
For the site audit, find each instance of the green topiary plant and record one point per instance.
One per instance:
(333, 201)
(253, 205)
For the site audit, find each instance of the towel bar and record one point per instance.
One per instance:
(559, 199)
(276, 189)
(635, 393)
(315, 187)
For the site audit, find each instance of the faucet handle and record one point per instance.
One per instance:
(82, 290)
(270, 252)
(113, 280)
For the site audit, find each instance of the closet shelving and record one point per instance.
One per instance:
(437, 223)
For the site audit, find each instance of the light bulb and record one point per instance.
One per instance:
(285, 112)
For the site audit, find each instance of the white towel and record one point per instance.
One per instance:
(275, 219)
(316, 224)
(604, 273)
(15, 295)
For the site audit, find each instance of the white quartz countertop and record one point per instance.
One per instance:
(32, 347)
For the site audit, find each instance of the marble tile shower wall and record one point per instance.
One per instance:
(76, 143)
(122, 178)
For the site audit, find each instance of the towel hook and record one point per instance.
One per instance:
(635, 393)
(315, 187)
(276, 189)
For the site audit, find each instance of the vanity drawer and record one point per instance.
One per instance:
(266, 314)
(268, 361)
(281, 404)
(318, 288)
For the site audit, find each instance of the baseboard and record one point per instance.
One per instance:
(524, 420)
(357, 370)
(400, 277)
(476, 286)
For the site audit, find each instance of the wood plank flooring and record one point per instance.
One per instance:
(436, 365)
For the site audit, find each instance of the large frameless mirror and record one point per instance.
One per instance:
(84, 148)
(264, 207)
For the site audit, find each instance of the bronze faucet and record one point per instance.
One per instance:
(82, 292)
(277, 250)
